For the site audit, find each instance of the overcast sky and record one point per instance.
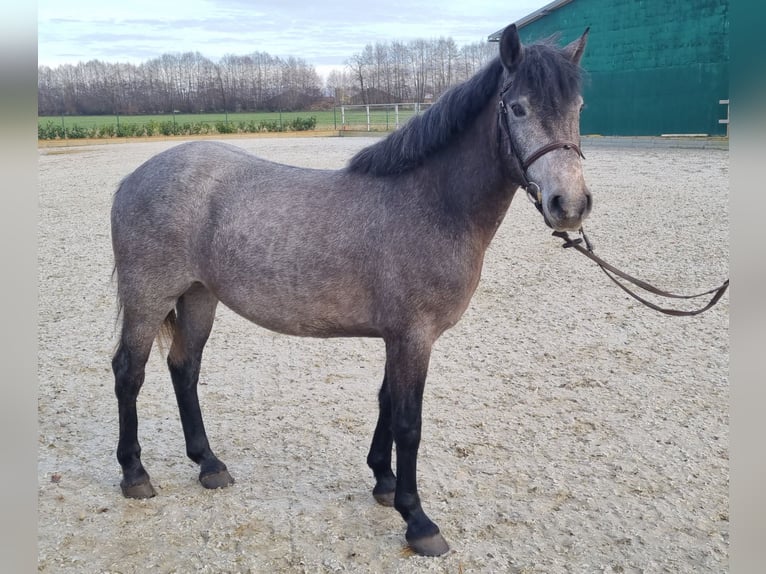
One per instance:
(325, 33)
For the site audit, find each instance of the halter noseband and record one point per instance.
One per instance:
(533, 190)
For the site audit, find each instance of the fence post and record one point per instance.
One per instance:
(368, 117)
(396, 113)
(726, 119)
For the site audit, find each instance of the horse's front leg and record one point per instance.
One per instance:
(406, 368)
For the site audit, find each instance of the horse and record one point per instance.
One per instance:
(390, 246)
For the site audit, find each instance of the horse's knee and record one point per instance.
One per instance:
(406, 432)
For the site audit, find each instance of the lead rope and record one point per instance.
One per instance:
(609, 270)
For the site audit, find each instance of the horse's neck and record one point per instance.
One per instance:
(470, 175)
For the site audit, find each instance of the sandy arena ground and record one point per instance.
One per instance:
(566, 427)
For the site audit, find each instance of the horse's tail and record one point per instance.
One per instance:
(166, 334)
(118, 315)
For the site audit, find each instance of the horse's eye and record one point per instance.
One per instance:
(518, 110)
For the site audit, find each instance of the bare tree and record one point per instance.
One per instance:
(339, 86)
(190, 82)
(360, 64)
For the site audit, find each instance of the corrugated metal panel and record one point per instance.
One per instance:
(654, 66)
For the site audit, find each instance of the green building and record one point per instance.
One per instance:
(654, 67)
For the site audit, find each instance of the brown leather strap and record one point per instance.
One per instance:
(609, 270)
(548, 148)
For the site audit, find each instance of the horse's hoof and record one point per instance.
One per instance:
(385, 490)
(433, 545)
(384, 498)
(220, 479)
(139, 490)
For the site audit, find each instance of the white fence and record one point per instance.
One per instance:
(378, 117)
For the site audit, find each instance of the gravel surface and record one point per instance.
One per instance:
(566, 427)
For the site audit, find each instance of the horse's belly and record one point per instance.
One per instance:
(317, 316)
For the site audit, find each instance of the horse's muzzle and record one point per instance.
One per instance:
(567, 212)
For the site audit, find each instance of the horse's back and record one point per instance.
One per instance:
(180, 173)
(193, 186)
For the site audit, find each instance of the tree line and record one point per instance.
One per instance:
(384, 72)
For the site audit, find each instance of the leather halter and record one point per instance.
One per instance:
(533, 190)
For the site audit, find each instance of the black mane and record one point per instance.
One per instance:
(422, 135)
(546, 73)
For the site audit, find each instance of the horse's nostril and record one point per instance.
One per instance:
(555, 205)
(563, 208)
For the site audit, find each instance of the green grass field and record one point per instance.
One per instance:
(324, 119)
(61, 127)
(352, 118)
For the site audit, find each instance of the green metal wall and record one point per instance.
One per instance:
(653, 66)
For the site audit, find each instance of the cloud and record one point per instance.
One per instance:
(326, 33)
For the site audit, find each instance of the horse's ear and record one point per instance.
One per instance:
(511, 50)
(575, 49)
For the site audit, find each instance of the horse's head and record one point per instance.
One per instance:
(540, 106)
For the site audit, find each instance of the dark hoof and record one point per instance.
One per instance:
(139, 490)
(384, 490)
(220, 479)
(433, 545)
(384, 498)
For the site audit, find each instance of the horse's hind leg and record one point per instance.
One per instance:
(194, 320)
(379, 457)
(128, 365)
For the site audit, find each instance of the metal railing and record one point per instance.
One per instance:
(378, 117)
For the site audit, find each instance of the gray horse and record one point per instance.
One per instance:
(391, 246)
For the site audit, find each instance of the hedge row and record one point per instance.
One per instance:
(53, 130)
